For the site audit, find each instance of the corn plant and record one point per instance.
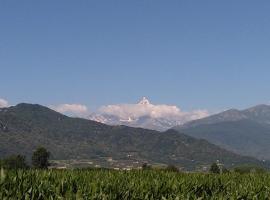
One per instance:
(137, 184)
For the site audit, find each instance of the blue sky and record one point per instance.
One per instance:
(194, 54)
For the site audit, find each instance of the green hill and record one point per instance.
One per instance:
(25, 127)
(245, 132)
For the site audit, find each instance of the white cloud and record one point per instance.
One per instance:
(76, 109)
(145, 108)
(3, 103)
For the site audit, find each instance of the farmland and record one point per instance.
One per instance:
(136, 184)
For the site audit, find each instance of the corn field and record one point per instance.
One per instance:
(139, 184)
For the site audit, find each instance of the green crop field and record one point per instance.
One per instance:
(140, 184)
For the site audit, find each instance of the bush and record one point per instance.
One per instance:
(214, 169)
(172, 168)
(14, 162)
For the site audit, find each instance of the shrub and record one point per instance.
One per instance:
(14, 162)
(172, 168)
(214, 169)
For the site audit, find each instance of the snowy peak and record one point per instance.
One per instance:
(144, 101)
(144, 114)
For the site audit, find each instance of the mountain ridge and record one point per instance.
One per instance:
(246, 132)
(30, 126)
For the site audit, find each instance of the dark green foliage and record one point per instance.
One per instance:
(172, 168)
(14, 162)
(30, 126)
(40, 158)
(215, 168)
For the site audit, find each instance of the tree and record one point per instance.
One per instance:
(215, 168)
(14, 162)
(40, 158)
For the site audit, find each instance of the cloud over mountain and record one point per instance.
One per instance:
(143, 114)
(3, 103)
(77, 109)
(145, 108)
(146, 115)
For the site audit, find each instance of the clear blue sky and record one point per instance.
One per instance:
(194, 54)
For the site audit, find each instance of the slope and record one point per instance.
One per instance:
(28, 126)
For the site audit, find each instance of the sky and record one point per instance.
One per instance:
(84, 55)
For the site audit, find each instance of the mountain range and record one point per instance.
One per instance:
(26, 126)
(246, 132)
(146, 120)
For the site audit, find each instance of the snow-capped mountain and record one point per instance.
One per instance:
(147, 122)
(145, 115)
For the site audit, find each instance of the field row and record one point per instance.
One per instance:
(137, 184)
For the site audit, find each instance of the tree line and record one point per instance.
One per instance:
(40, 160)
